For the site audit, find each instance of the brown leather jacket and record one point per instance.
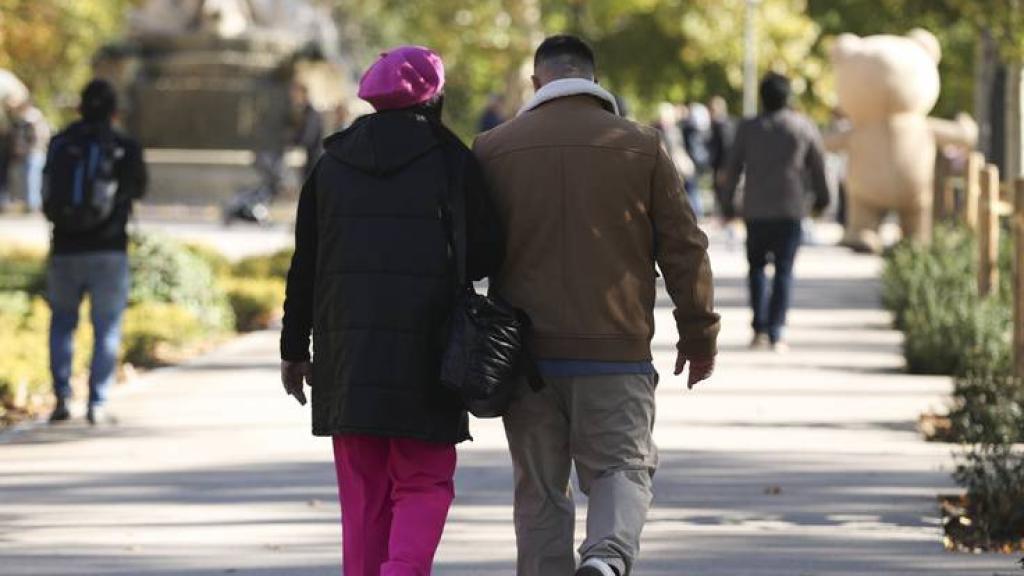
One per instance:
(590, 202)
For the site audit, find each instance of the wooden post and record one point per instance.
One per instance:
(972, 188)
(988, 232)
(1018, 277)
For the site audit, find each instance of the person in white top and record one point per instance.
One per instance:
(31, 138)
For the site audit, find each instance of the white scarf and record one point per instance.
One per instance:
(570, 87)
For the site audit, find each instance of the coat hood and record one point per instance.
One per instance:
(385, 142)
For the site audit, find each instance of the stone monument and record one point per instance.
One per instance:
(213, 75)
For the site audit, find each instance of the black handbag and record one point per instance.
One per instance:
(487, 349)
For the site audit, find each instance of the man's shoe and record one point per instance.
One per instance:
(780, 347)
(98, 416)
(595, 567)
(761, 342)
(60, 412)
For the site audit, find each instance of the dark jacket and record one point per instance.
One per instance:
(132, 179)
(782, 155)
(373, 281)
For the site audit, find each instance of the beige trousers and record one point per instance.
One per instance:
(603, 425)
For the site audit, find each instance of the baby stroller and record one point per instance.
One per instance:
(252, 203)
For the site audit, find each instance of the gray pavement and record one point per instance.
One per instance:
(802, 464)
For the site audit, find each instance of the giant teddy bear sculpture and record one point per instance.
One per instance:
(886, 86)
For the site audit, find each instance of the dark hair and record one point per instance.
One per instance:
(432, 109)
(775, 92)
(570, 52)
(98, 101)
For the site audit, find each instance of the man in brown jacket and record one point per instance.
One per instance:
(590, 202)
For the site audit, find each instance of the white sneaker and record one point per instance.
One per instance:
(761, 342)
(595, 567)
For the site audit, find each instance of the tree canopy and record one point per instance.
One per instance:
(50, 44)
(648, 50)
(671, 50)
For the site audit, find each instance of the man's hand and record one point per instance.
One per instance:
(700, 368)
(292, 376)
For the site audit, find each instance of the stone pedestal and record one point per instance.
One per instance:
(205, 84)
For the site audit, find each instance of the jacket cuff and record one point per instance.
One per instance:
(294, 352)
(698, 347)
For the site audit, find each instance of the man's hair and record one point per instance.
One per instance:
(775, 92)
(567, 56)
(98, 102)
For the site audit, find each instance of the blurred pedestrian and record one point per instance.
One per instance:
(494, 113)
(723, 132)
(93, 174)
(590, 203)
(780, 153)
(307, 126)
(672, 138)
(6, 153)
(836, 163)
(696, 128)
(31, 138)
(372, 280)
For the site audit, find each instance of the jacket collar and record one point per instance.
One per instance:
(571, 87)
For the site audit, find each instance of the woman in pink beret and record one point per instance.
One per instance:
(372, 283)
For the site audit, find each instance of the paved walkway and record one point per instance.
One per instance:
(804, 464)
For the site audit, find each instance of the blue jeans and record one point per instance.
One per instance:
(103, 276)
(692, 187)
(776, 241)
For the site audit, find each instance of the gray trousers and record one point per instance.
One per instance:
(603, 425)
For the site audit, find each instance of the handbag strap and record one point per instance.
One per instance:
(452, 207)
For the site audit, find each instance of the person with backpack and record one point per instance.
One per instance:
(93, 174)
(373, 280)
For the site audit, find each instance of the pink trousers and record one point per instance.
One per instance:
(395, 495)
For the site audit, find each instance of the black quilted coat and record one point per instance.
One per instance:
(372, 279)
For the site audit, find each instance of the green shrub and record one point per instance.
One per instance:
(944, 269)
(267, 266)
(932, 292)
(14, 306)
(164, 271)
(256, 302)
(949, 336)
(156, 333)
(22, 270)
(219, 264)
(994, 479)
(988, 408)
(24, 336)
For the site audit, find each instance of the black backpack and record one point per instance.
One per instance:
(80, 183)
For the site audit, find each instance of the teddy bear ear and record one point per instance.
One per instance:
(928, 41)
(845, 45)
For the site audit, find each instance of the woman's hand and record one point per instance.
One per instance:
(292, 376)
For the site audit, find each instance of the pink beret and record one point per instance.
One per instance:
(403, 77)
